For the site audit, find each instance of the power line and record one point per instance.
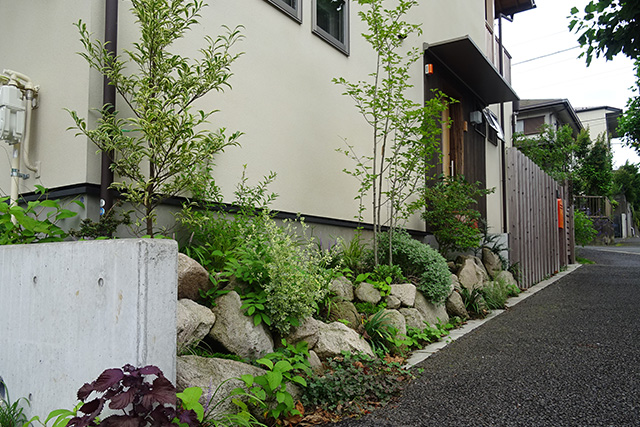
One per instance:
(544, 56)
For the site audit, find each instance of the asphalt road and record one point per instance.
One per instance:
(566, 356)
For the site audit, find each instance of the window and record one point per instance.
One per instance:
(533, 125)
(331, 22)
(293, 8)
(494, 130)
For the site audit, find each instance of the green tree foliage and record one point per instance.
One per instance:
(584, 229)
(607, 28)
(627, 181)
(594, 172)
(553, 151)
(404, 132)
(163, 149)
(629, 122)
(586, 164)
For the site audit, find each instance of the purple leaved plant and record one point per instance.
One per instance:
(143, 402)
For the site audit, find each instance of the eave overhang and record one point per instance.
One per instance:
(511, 7)
(464, 60)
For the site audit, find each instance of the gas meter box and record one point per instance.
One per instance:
(12, 114)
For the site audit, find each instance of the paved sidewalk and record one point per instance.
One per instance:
(566, 356)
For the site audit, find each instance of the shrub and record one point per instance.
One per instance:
(450, 215)
(496, 293)
(35, 223)
(355, 383)
(380, 333)
(287, 269)
(420, 262)
(584, 229)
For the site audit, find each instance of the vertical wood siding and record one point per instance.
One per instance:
(536, 242)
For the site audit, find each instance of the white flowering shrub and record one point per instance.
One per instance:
(286, 266)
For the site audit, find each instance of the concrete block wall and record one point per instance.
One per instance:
(70, 310)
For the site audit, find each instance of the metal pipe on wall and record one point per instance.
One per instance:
(109, 102)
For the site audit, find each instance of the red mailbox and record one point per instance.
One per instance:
(560, 214)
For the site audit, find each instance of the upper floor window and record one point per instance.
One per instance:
(293, 8)
(331, 22)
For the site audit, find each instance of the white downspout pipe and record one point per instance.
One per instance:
(26, 145)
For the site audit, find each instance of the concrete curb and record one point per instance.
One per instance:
(420, 355)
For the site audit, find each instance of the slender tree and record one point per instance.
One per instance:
(403, 132)
(161, 149)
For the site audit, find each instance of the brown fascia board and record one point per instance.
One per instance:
(511, 7)
(532, 105)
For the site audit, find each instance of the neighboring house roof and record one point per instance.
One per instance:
(462, 58)
(511, 7)
(561, 108)
(611, 114)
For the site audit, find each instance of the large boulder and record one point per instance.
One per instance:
(395, 319)
(342, 287)
(507, 278)
(455, 306)
(307, 331)
(211, 373)
(366, 292)
(431, 313)
(413, 318)
(192, 277)
(393, 302)
(491, 262)
(405, 292)
(237, 332)
(472, 273)
(193, 323)
(334, 338)
(345, 310)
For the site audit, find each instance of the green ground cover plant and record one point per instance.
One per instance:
(353, 384)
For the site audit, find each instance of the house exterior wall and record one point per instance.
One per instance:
(595, 121)
(292, 115)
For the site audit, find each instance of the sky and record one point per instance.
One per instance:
(562, 75)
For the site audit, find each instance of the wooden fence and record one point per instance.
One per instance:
(539, 241)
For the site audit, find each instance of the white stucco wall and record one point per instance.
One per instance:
(292, 115)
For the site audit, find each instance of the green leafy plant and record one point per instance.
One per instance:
(449, 213)
(497, 292)
(284, 266)
(418, 338)
(474, 302)
(59, 417)
(12, 413)
(352, 384)
(380, 333)
(208, 414)
(352, 254)
(585, 232)
(163, 149)
(216, 230)
(35, 223)
(421, 263)
(369, 308)
(404, 136)
(287, 366)
(255, 306)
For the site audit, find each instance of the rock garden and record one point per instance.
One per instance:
(362, 323)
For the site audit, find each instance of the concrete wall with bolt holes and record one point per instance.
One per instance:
(70, 310)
